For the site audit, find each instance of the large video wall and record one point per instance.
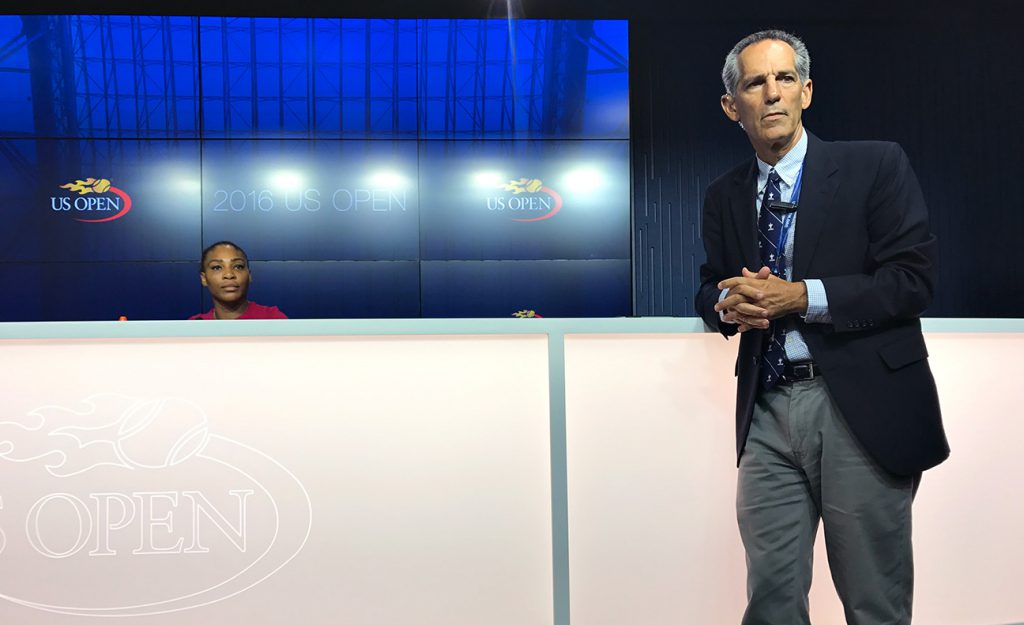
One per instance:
(371, 168)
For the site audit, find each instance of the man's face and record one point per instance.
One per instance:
(769, 99)
(226, 273)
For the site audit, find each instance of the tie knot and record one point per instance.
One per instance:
(774, 177)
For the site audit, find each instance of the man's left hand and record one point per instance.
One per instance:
(777, 296)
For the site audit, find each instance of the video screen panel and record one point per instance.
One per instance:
(100, 76)
(337, 289)
(309, 78)
(549, 288)
(524, 79)
(524, 200)
(99, 291)
(97, 200)
(313, 200)
(324, 145)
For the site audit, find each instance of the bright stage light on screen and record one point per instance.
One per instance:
(286, 180)
(583, 180)
(189, 185)
(488, 179)
(387, 179)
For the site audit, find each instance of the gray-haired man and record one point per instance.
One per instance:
(819, 254)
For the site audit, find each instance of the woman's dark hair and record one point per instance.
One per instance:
(206, 252)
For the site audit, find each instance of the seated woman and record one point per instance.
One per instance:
(224, 270)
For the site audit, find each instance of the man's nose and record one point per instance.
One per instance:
(771, 90)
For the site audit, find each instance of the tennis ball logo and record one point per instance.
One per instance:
(161, 433)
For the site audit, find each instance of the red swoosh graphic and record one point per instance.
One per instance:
(558, 205)
(124, 211)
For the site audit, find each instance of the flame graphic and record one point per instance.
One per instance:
(524, 185)
(89, 185)
(105, 430)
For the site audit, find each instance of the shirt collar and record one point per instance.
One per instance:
(788, 166)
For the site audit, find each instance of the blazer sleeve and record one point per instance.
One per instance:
(713, 270)
(899, 280)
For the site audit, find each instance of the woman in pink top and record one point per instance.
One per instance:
(224, 270)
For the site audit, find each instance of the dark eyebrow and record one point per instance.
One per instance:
(747, 80)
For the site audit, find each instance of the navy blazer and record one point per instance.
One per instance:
(862, 229)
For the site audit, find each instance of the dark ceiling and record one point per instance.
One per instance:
(853, 10)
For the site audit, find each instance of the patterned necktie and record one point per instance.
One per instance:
(769, 242)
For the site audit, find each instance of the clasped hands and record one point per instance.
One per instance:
(754, 299)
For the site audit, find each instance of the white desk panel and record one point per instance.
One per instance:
(356, 480)
(651, 477)
(542, 471)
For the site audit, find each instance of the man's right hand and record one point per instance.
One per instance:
(741, 307)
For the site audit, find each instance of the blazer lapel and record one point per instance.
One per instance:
(744, 215)
(819, 185)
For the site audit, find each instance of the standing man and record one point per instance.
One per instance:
(819, 254)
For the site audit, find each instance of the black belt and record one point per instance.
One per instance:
(799, 371)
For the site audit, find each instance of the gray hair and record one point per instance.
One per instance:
(731, 69)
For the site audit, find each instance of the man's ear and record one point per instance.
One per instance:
(729, 107)
(805, 94)
(202, 278)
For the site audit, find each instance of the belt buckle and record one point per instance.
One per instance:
(803, 371)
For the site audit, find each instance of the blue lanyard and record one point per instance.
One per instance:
(795, 199)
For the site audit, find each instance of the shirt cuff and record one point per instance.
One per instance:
(721, 313)
(817, 303)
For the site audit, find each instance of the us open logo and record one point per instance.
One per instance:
(130, 506)
(526, 199)
(97, 201)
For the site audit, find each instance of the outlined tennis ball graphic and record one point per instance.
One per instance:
(161, 433)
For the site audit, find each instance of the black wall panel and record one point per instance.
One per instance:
(945, 86)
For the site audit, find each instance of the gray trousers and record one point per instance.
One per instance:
(802, 464)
